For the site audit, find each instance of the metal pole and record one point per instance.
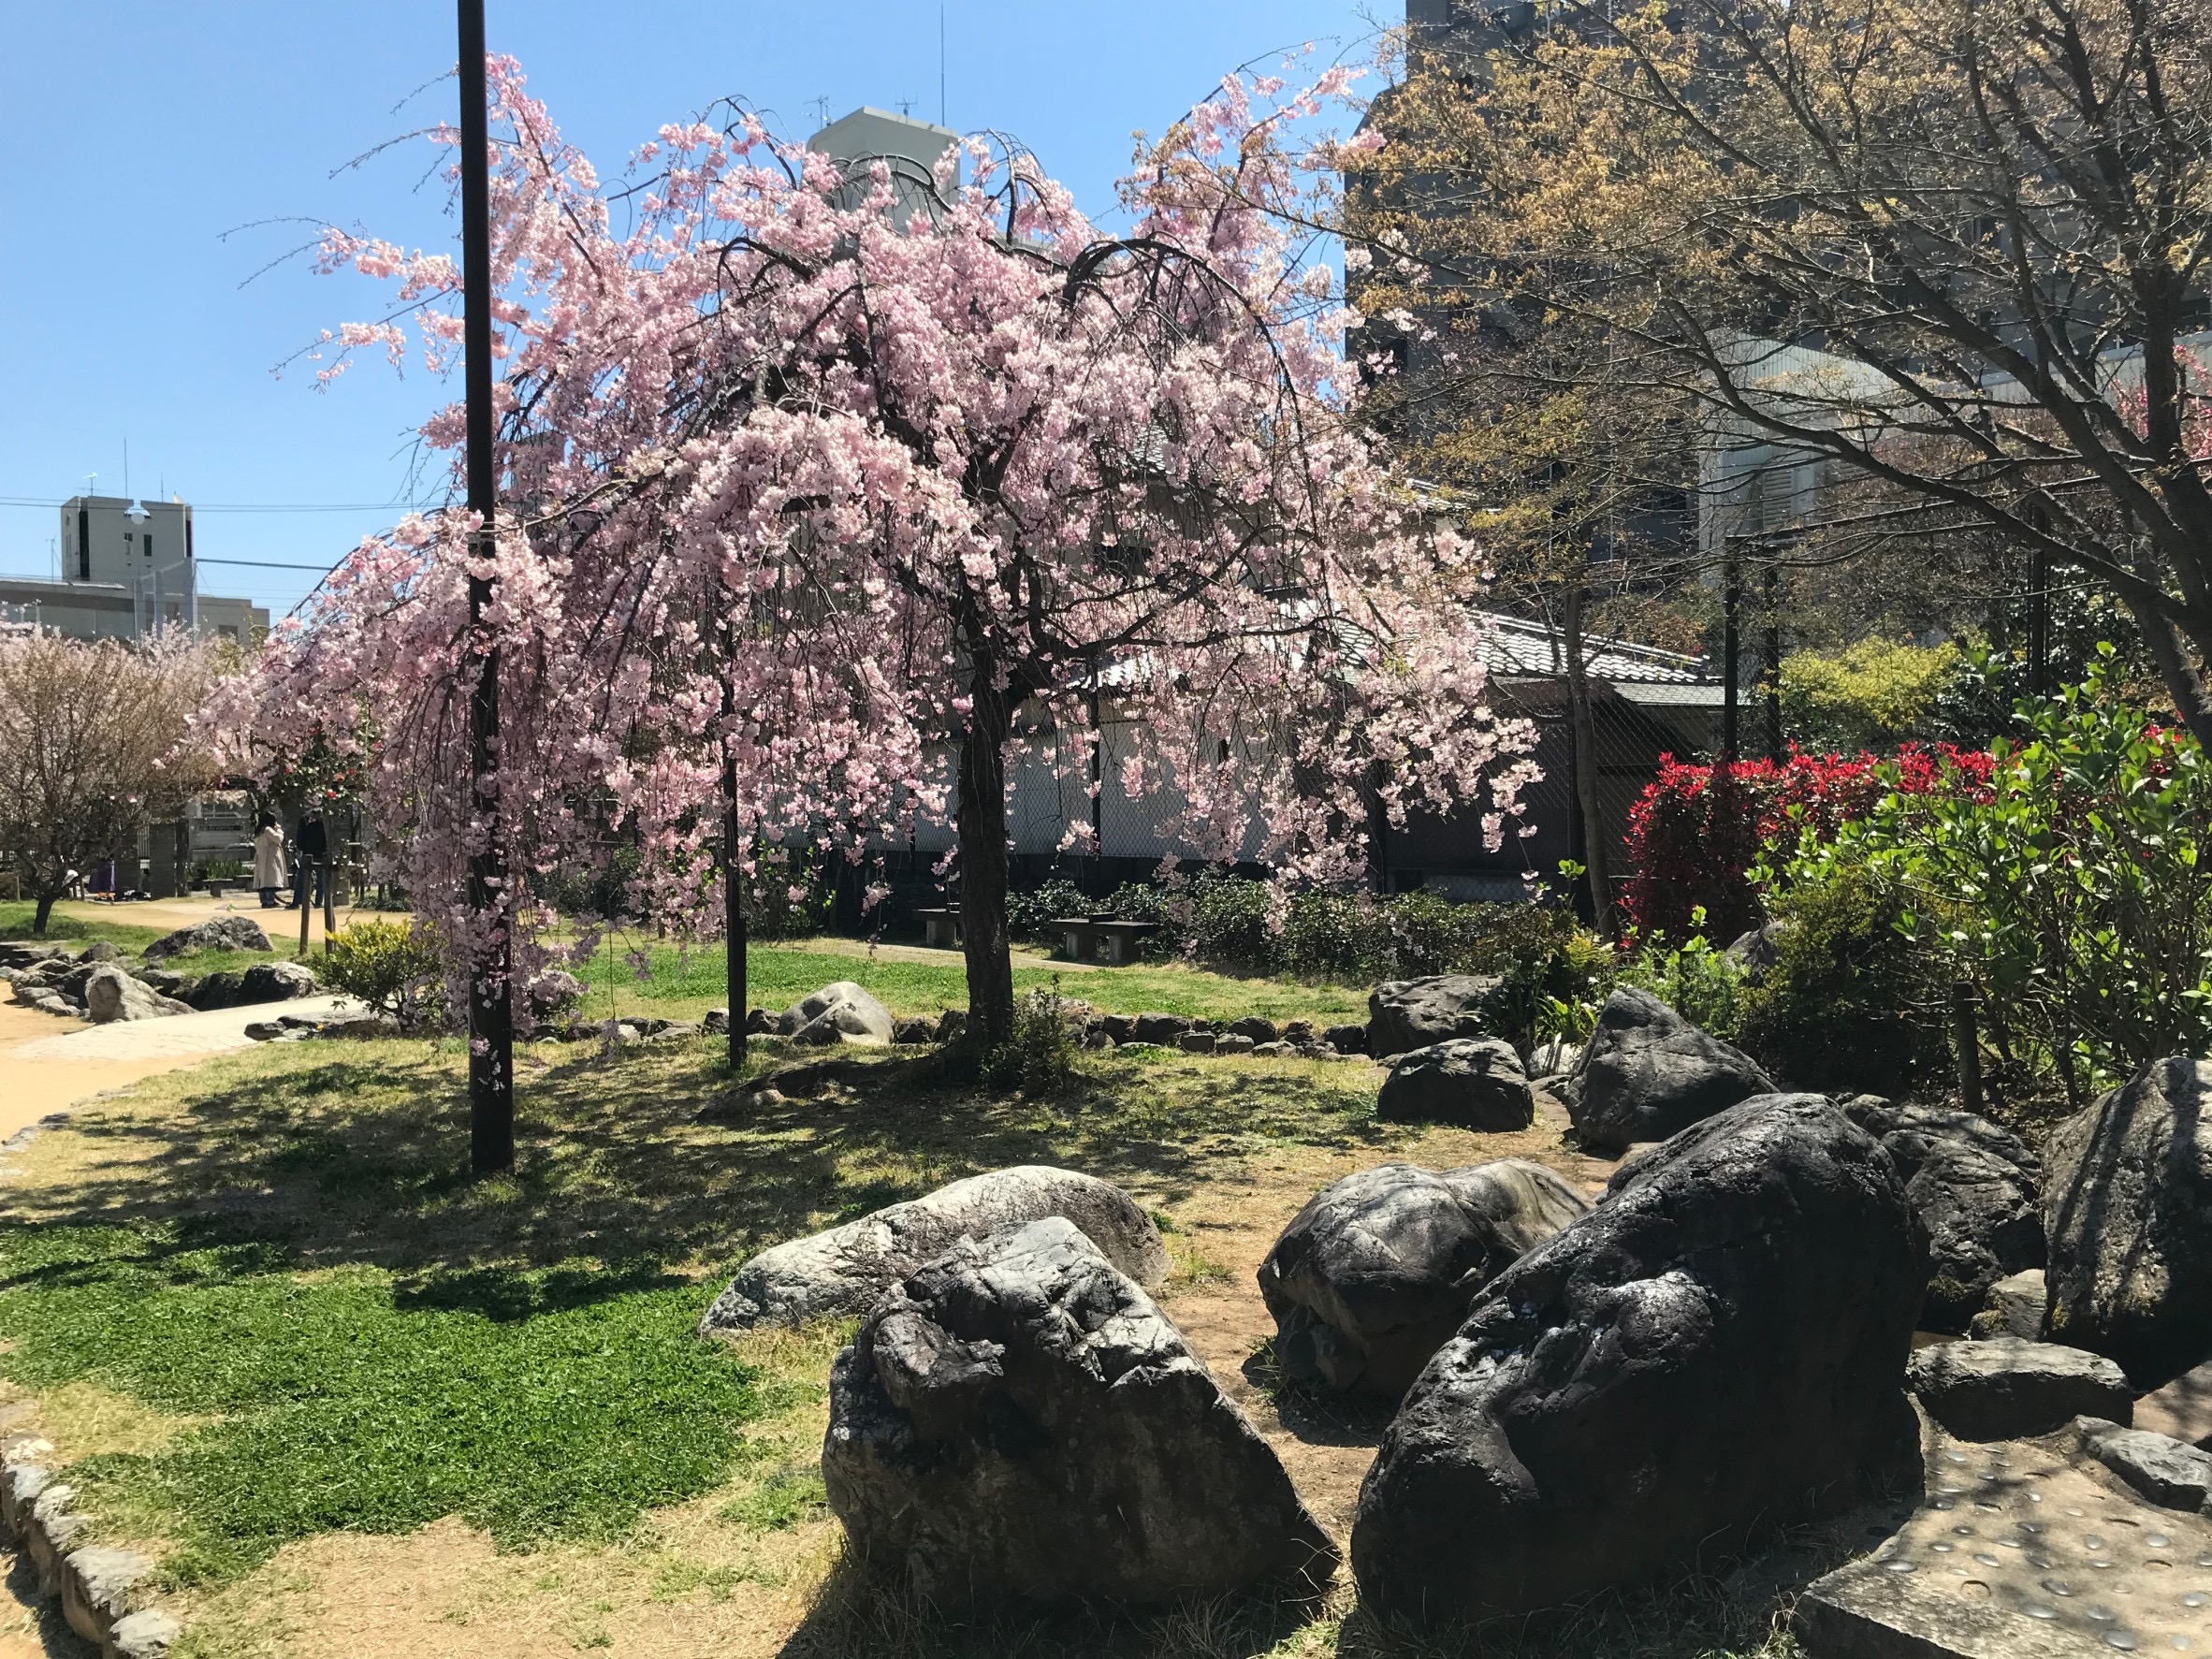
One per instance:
(1731, 602)
(1772, 665)
(491, 1011)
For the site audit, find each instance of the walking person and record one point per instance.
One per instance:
(268, 860)
(312, 843)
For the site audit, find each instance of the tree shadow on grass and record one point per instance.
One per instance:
(641, 1162)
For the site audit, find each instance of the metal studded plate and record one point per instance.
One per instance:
(2019, 1552)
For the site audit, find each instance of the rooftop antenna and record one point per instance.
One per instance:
(820, 110)
(940, 63)
(906, 107)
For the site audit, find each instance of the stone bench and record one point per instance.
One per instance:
(941, 928)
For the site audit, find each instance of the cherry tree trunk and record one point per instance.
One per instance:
(982, 822)
(1582, 724)
(43, 914)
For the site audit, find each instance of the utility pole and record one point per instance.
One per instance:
(1731, 602)
(1770, 663)
(491, 1006)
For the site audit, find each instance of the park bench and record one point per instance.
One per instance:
(1122, 939)
(941, 928)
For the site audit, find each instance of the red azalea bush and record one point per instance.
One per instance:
(1696, 830)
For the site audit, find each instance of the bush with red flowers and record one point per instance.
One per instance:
(1697, 831)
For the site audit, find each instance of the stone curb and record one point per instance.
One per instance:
(105, 1593)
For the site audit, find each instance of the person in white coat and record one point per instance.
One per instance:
(268, 861)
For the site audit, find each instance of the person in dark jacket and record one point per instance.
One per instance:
(313, 844)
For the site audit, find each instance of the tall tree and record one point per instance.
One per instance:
(1949, 252)
(94, 742)
(956, 453)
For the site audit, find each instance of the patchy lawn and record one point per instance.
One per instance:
(358, 1402)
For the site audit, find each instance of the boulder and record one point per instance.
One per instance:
(555, 994)
(715, 1022)
(1229, 1043)
(1254, 1029)
(1019, 1422)
(1755, 954)
(759, 1022)
(275, 981)
(848, 1269)
(2182, 1409)
(217, 933)
(838, 1012)
(914, 1031)
(1473, 1081)
(2168, 1472)
(1647, 1073)
(111, 995)
(952, 1025)
(215, 990)
(2007, 1388)
(1196, 1042)
(2128, 1213)
(1975, 1187)
(1377, 1271)
(1406, 1014)
(1346, 1039)
(2014, 1307)
(100, 950)
(1118, 1027)
(1161, 1028)
(1718, 1345)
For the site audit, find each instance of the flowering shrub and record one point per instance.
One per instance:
(1697, 831)
(2068, 896)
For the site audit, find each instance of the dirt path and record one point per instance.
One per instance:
(169, 914)
(48, 1064)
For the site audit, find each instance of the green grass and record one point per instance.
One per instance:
(779, 977)
(549, 1405)
(16, 916)
(284, 1251)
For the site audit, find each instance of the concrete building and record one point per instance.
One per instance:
(128, 569)
(911, 149)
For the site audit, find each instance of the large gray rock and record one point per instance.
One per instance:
(848, 1269)
(1720, 1345)
(1377, 1271)
(229, 932)
(2128, 1213)
(2171, 1474)
(1646, 1073)
(1473, 1081)
(2007, 1388)
(1975, 1187)
(1406, 1014)
(1020, 1422)
(111, 995)
(275, 981)
(2014, 1307)
(842, 1012)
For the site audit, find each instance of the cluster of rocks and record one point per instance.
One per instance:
(1016, 1418)
(100, 984)
(1584, 1395)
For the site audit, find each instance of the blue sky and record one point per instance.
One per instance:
(136, 135)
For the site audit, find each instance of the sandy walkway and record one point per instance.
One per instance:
(48, 1063)
(169, 914)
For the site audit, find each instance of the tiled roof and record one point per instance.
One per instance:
(1515, 647)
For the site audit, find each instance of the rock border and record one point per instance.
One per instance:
(106, 1593)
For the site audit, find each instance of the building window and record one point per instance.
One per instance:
(83, 545)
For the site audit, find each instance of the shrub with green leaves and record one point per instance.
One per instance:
(1697, 982)
(1845, 1007)
(1039, 1052)
(395, 967)
(2068, 895)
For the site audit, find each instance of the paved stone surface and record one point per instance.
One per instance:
(213, 1033)
(2019, 1552)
